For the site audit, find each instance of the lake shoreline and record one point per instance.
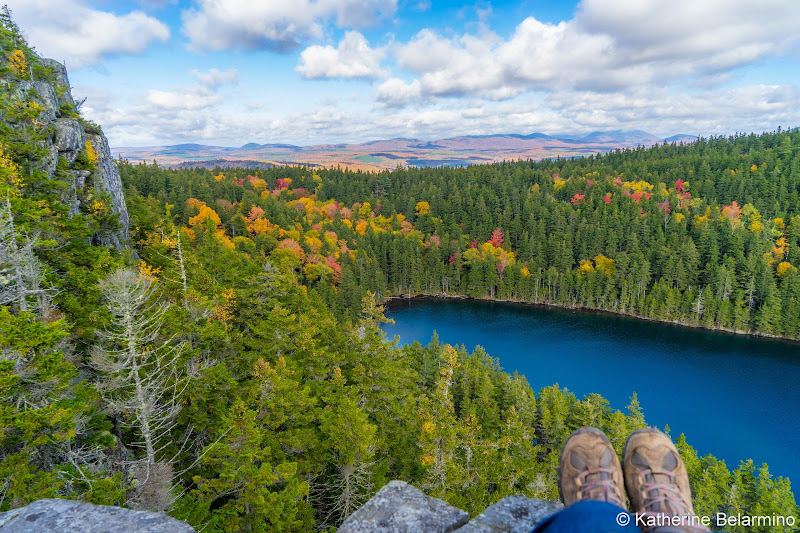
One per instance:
(584, 308)
(735, 396)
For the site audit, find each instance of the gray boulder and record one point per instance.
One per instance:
(513, 514)
(68, 516)
(400, 508)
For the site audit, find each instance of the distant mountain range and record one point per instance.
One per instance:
(390, 153)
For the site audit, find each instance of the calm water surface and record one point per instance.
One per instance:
(733, 396)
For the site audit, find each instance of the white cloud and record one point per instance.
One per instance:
(159, 117)
(610, 45)
(421, 5)
(181, 115)
(618, 64)
(274, 24)
(352, 58)
(215, 77)
(189, 98)
(199, 111)
(750, 108)
(721, 33)
(395, 92)
(466, 65)
(70, 30)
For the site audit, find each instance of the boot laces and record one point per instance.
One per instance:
(665, 498)
(605, 483)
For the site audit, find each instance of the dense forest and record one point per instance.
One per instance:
(228, 366)
(702, 234)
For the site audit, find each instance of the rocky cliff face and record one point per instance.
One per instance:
(70, 144)
(109, 181)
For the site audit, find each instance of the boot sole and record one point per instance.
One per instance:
(564, 446)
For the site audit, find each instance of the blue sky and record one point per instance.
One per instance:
(228, 72)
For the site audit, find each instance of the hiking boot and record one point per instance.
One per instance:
(589, 469)
(658, 485)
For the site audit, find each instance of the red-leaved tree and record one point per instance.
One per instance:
(496, 239)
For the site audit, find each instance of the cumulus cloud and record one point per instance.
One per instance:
(610, 45)
(396, 93)
(618, 64)
(200, 111)
(273, 24)
(190, 98)
(215, 77)
(183, 116)
(352, 58)
(160, 117)
(749, 108)
(70, 30)
(722, 34)
(197, 97)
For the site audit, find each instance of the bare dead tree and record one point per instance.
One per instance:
(141, 376)
(348, 488)
(21, 272)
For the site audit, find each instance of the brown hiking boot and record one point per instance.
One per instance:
(657, 484)
(589, 469)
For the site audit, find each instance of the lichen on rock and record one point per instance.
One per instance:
(68, 516)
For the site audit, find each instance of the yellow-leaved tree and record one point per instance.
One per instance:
(18, 62)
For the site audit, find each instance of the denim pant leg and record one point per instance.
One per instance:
(589, 516)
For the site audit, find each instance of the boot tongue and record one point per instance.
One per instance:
(595, 475)
(668, 464)
(651, 478)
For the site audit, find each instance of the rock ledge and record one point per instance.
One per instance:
(69, 516)
(396, 508)
(400, 508)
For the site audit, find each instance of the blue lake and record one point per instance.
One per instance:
(734, 396)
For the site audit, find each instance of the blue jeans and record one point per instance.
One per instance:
(589, 516)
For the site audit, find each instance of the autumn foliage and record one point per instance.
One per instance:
(496, 239)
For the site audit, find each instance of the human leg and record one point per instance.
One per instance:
(589, 516)
(658, 485)
(590, 484)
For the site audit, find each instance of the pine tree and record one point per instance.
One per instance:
(438, 435)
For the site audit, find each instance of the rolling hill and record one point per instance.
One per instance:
(391, 153)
